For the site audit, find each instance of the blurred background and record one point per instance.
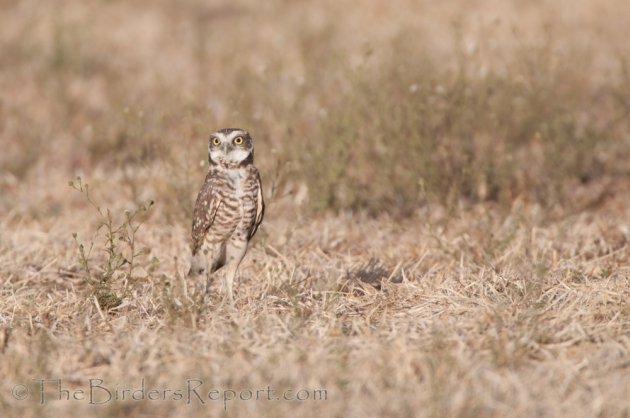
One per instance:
(381, 106)
(447, 220)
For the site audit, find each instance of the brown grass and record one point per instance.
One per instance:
(447, 226)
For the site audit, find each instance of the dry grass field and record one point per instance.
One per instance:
(448, 208)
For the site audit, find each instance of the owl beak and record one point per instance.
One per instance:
(226, 148)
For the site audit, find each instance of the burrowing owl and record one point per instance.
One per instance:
(229, 206)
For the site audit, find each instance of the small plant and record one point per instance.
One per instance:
(111, 279)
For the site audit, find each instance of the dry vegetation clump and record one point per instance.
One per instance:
(412, 130)
(447, 225)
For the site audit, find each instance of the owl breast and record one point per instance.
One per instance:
(237, 211)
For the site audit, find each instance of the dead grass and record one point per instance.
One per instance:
(448, 220)
(492, 315)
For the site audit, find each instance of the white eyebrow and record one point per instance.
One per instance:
(234, 134)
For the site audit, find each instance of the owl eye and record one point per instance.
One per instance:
(238, 140)
(216, 141)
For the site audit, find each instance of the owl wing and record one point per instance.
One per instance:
(260, 207)
(206, 207)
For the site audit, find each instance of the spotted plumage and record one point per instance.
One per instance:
(229, 206)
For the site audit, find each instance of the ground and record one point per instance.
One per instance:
(483, 281)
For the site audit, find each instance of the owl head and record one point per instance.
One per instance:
(230, 148)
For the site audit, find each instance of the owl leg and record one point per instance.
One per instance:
(210, 256)
(230, 274)
(235, 251)
(197, 264)
(208, 259)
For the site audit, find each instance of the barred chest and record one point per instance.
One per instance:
(238, 209)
